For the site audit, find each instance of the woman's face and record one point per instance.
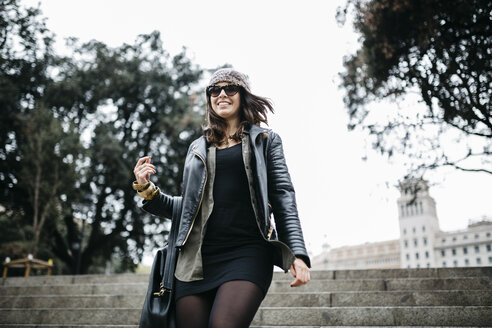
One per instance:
(226, 106)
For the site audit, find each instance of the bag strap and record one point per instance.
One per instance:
(171, 257)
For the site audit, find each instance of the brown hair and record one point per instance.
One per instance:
(252, 111)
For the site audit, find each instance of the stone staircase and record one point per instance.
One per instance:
(393, 297)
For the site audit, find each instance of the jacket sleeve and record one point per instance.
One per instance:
(160, 206)
(163, 205)
(282, 196)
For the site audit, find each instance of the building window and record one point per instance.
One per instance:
(453, 251)
(490, 259)
(418, 266)
(406, 243)
(404, 231)
(415, 242)
(489, 248)
(454, 238)
(417, 256)
(421, 208)
(426, 254)
(443, 240)
(476, 236)
(467, 262)
(465, 250)
(443, 264)
(465, 237)
(428, 265)
(455, 263)
(402, 209)
(425, 241)
(443, 252)
(477, 249)
(408, 256)
(479, 260)
(414, 230)
(488, 234)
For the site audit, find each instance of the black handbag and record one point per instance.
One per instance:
(159, 305)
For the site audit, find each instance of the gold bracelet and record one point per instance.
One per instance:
(140, 187)
(156, 192)
(147, 191)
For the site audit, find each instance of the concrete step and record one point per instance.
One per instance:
(475, 283)
(77, 289)
(72, 301)
(338, 299)
(348, 298)
(136, 326)
(89, 316)
(395, 273)
(375, 316)
(414, 273)
(66, 326)
(278, 316)
(80, 279)
(387, 298)
(315, 275)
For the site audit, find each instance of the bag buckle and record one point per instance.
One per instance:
(162, 291)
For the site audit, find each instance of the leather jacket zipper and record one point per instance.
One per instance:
(201, 199)
(270, 230)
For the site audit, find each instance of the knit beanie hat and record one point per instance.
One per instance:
(231, 76)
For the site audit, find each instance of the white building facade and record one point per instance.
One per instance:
(383, 254)
(422, 244)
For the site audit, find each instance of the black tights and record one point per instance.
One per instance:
(233, 304)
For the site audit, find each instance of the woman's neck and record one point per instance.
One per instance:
(232, 127)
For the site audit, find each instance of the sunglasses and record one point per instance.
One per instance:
(230, 90)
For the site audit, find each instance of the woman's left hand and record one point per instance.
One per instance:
(300, 271)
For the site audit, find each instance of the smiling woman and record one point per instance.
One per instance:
(231, 107)
(235, 176)
(225, 101)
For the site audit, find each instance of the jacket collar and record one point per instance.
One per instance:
(200, 147)
(255, 130)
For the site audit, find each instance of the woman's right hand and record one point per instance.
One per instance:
(143, 170)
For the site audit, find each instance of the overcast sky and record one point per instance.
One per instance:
(292, 52)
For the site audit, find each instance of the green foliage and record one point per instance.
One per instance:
(47, 167)
(135, 101)
(71, 146)
(25, 53)
(437, 49)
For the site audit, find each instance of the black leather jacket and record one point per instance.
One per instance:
(273, 191)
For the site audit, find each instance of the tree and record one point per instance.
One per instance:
(71, 130)
(47, 167)
(437, 52)
(133, 100)
(25, 55)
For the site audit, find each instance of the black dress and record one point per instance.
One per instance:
(233, 248)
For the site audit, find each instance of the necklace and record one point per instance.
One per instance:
(227, 143)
